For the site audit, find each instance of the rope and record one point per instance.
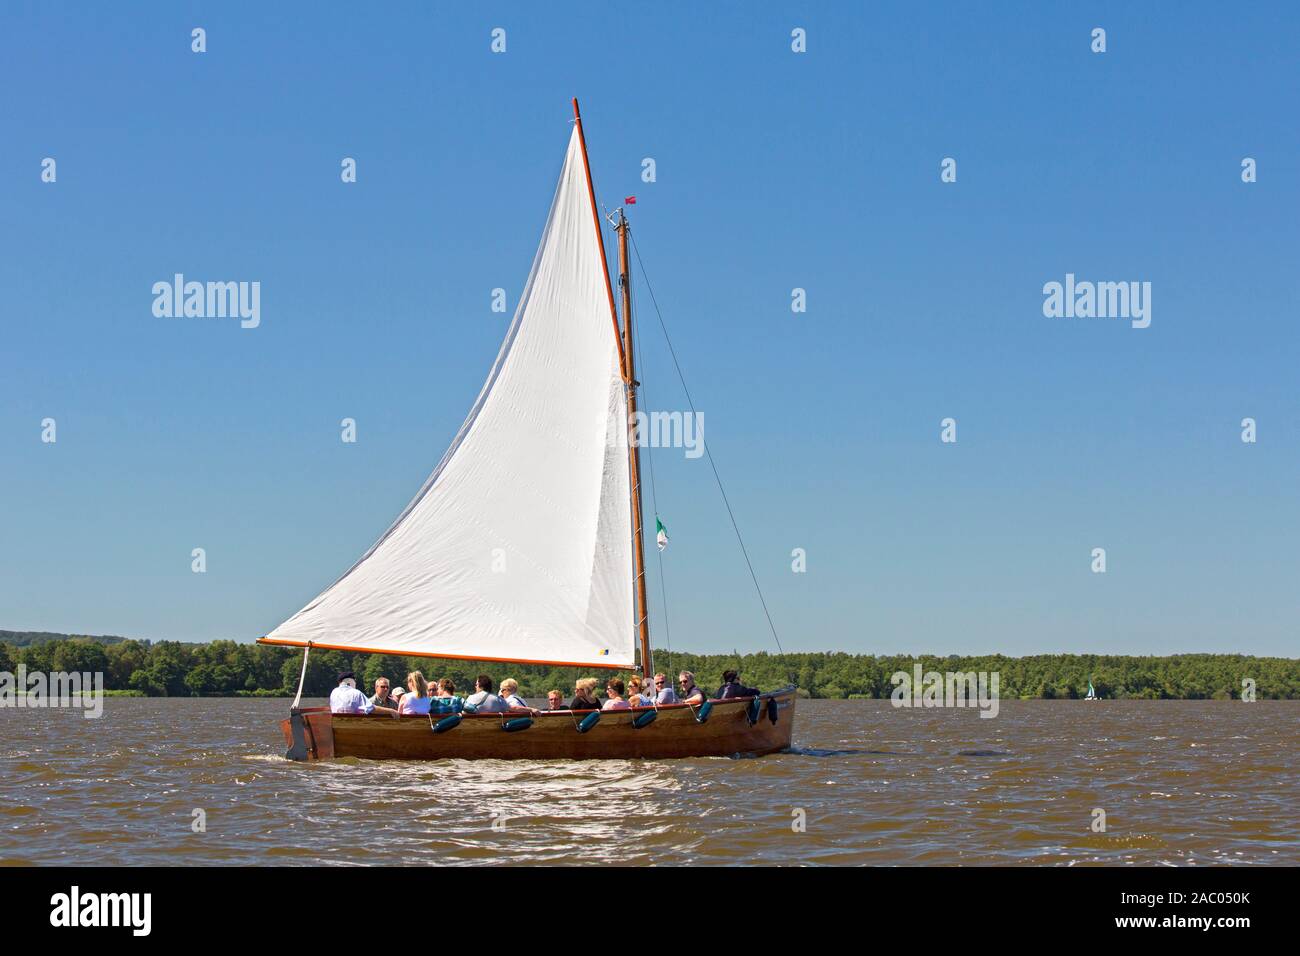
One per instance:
(654, 502)
(709, 454)
(303, 676)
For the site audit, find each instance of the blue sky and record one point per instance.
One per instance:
(775, 170)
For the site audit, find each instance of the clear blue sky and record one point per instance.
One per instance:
(775, 170)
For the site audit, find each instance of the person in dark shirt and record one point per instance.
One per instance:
(585, 698)
(732, 687)
(691, 693)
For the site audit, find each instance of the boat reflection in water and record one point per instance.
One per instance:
(539, 811)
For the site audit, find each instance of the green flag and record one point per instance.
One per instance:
(661, 535)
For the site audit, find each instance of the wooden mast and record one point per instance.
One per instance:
(633, 449)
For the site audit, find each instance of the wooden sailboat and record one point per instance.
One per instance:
(526, 543)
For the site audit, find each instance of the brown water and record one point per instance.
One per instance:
(1181, 782)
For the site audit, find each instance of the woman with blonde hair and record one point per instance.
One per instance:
(417, 700)
(510, 694)
(585, 695)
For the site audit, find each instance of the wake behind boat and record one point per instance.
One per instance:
(526, 544)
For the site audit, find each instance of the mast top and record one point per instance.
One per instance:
(600, 238)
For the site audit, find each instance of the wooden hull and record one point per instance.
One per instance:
(314, 733)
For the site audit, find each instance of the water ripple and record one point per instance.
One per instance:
(1181, 783)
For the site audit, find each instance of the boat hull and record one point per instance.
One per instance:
(316, 734)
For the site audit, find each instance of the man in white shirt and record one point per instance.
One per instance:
(664, 694)
(346, 699)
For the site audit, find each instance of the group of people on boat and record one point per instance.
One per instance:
(424, 697)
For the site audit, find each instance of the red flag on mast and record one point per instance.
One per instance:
(629, 200)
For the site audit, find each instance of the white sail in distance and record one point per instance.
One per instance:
(518, 546)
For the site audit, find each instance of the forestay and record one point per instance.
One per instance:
(518, 546)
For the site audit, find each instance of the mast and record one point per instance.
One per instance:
(633, 449)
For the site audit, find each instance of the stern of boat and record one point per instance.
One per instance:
(308, 734)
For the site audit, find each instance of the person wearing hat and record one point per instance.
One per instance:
(346, 699)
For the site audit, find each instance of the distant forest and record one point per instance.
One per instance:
(230, 669)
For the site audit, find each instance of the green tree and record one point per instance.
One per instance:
(124, 659)
(78, 657)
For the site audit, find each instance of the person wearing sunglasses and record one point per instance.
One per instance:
(690, 693)
(663, 692)
(585, 695)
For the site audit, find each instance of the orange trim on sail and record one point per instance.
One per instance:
(448, 657)
(600, 238)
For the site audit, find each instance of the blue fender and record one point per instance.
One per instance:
(644, 719)
(753, 710)
(446, 724)
(591, 720)
(702, 714)
(519, 723)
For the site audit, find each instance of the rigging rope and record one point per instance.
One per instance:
(708, 454)
(654, 497)
(302, 678)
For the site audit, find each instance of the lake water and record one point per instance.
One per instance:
(1180, 782)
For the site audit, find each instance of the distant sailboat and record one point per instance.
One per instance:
(1092, 694)
(525, 544)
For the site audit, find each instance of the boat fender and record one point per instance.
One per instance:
(469, 708)
(446, 724)
(771, 709)
(519, 723)
(645, 719)
(702, 714)
(589, 721)
(753, 710)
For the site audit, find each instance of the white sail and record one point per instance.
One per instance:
(518, 546)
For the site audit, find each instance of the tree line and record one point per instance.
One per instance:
(231, 669)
